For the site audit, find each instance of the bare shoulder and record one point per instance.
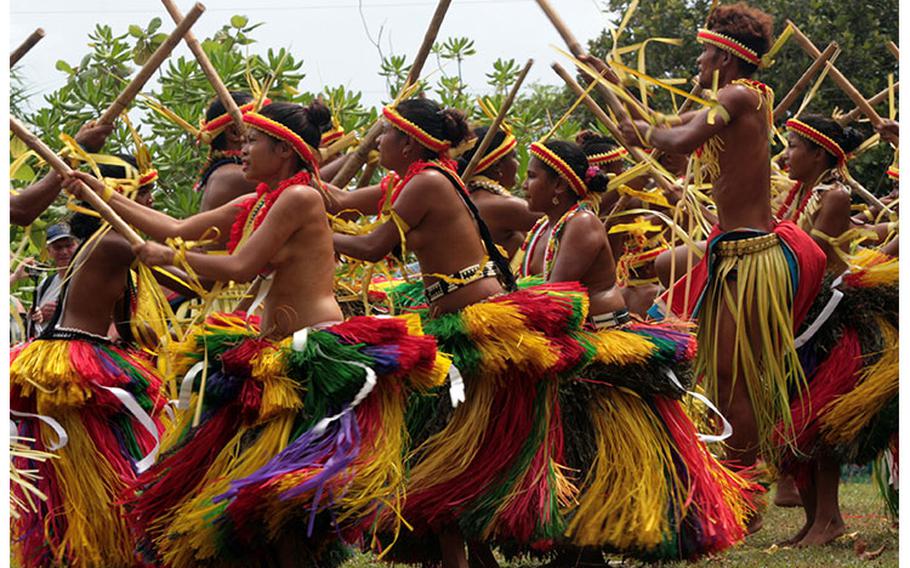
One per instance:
(112, 249)
(430, 179)
(585, 224)
(836, 196)
(302, 199)
(738, 98)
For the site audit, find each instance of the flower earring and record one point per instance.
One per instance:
(555, 200)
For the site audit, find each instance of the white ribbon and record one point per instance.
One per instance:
(456, 386)
(706, 438)
(186, 386)
(62, 437)
(144, 419)
(298, 343)
(833, 301)
(265, 284)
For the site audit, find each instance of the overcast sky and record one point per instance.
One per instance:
(327, 35)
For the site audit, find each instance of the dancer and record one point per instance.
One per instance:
(757, 279)
(485, 470)
(507, 216)
(632, 383)
(295, 384)
(91, 400)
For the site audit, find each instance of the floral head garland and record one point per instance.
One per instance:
(277, 130)
(817, 137)
(729, 45)
(496, 154)
(607, 157)
(401, 123)
(562, 169)
(209, 130)
(329, 136)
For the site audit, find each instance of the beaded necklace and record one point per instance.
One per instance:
(531, 241)
(254, 209)
(392, 184)
(487, 184)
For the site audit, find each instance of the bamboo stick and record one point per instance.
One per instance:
(565, 33)
(804, 81)
(892, 47)
(636, 152)
(367, 175)
(207, 68)
(359, 157)
(26, 45)
(497, 122)
(858, 99)
(878, 98)
(55, 162)
(154, 62)
(340, 145)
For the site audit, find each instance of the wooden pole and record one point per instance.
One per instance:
(54, 161)
(367, 175)
(497, 122)
(29, 43)
(804, 81)
(892, 47)
(878, 98)
(565, 33)
(359, 157)
(207, 68)
(858, 99)
(636, 152)
(129, 93)
(340, 145)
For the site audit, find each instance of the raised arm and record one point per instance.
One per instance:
(161, 226)
(296, 207)
(688, 137)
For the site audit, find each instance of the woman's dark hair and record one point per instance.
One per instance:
(572, 154)
(83, 226)
(848, 138)
(747, 25)
(308, 122)
(480, 132)
(443, 123)
(593, 143)
(216, 109)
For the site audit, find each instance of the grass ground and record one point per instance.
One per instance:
(864, 514)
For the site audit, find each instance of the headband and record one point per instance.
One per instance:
(282, 132)
(728, 44)
(330, 136)
(508, 144)
(823, 140)
(147, 178)
(548, 157)
(893, 172)
(401, 123)
(212, 128)
(607, 157)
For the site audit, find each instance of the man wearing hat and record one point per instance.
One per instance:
(61, 245)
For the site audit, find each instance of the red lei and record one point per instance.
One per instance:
(396, 183)
(794, 191)
(259, 205)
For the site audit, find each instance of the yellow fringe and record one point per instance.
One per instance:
(624, 498)
(96, 533)
(618, 347)
(505, 339)
(43, 370)
(754, 287)
(844, 417)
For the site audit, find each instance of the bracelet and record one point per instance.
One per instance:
(648, 135)
(107, 194)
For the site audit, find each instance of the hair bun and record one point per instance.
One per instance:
(455, 127)
(319, 115)
(852, 139)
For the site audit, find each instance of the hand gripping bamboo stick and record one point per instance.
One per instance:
(356, 161)
(211, 74)
(54, 161)
(26, 45)
(154, 62)
(879, 97)
(488, 139)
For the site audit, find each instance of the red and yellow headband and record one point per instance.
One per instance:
(814, 135)
(548, 157)
(411, 129)
(893, 173)
(148, 177)
(508, 144)
(330, 136)
(728, 44)
(282, 132)
(607, 157)
(212, 128)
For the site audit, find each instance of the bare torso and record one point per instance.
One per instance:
(508, 218)
(742, 191)
(224, 185)
(595, 268)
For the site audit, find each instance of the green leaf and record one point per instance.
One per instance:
(154, 24)
(239, 21)
(136, 31)
(64, 66)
